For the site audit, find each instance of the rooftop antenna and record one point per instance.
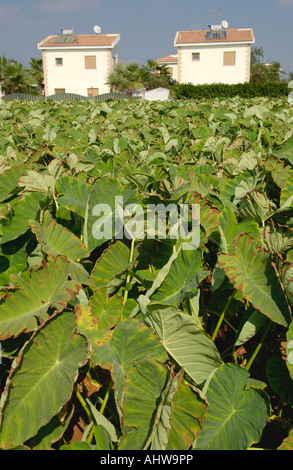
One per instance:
(219, 13)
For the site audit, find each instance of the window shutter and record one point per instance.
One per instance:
(230, 58)
(90, 62)
(92, 92)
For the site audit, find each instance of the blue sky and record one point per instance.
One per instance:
(147, 27)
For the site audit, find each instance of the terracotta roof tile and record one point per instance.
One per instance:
(199, 37)
(168, 59)
(90, 40)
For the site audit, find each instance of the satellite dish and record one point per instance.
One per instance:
(225, 24)
(97, 29)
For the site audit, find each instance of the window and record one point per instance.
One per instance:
(58, 91)
(196, 56)
(90, 62)
(230, 58)
(59, 62)
(92, 92)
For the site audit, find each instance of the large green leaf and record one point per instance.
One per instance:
(50, 364)
(103, 196)
(184, 276)
(142, 391)
(285, 150)
(279, 379)
(188, 413)
(253, 323)
(34, 180)
(13, 260)
(56, 240)
(236, 413)
(109, 270)
(97, 318)
(131, 342)
(9, 180)
(286, 196)
(37, 292)
(250, 269)
(107, 310)
(230, 229)
(24, 210)
(277, 239)
(256, 206)
(73, 194)
(187, 344)
(159, 411)
(287, 280)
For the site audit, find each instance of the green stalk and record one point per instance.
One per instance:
(212, 312)
(102, 409)
(128, 278)
(257, 349)
(88, 412)
(106, 397)
(223, 315)
(83, 403)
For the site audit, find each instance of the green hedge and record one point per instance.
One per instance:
(222, 90)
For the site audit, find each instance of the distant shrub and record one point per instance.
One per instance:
(222, 90)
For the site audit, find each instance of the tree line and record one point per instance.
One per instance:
(263, 70)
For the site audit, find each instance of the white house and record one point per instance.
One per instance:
(78, 64)
(216, 55)
(171, 62)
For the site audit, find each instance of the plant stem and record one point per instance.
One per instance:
(128, 278)
(106, 397)
(223, 315)
(257, 349)
(212, 312)
(102, 409)
(83, 403)
(91, 435)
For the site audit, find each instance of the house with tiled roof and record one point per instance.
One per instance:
(171, 62)
(78, 64)
(216, 55)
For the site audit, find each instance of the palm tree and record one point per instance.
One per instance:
(156, 75)
(17, 79)
(3, 63)
(154, 67)
(125, 76)
(37, 72)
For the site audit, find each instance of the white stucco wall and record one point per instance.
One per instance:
(72, 75)
(174, 69)
(210, 68)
